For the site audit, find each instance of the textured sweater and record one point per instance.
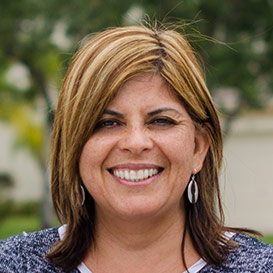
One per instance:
(26, 253)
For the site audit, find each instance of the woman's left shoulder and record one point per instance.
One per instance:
(251, 255)
(249, 245)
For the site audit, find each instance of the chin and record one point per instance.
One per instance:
(140, 209)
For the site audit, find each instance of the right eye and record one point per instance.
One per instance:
(107, 123)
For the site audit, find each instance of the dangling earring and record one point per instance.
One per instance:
(83, 195)
(192, 190)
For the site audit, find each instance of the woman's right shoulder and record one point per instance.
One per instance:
(27, 252)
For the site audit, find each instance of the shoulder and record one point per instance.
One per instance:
(251, 255)
(27, 252)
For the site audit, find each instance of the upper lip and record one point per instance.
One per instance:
(135, 166)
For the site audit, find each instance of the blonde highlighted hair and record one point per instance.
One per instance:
(97, 72)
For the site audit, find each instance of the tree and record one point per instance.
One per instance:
(244, 63)
(28, 29)
(30, 34)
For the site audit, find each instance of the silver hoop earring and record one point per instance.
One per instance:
(83, 195)
(192, 190)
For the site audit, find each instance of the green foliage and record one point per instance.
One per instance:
(268, 239)
(5, 181)
(18, 224)
(10, 208)
(246, 27)
(18, 217)
(27, 28)
(26, 208)
(29, 130)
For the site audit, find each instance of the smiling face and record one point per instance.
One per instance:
(145, 147)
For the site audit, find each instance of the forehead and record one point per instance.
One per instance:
(146, 89)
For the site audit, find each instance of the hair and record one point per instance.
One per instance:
(97, 72)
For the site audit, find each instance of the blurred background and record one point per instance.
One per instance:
(37, 40)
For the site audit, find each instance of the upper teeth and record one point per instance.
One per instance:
(135, 175)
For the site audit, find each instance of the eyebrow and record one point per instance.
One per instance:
(150, 114)
(160, 110)
(113, 113)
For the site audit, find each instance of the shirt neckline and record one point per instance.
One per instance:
(193, 269)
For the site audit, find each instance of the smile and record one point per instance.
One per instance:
(135, 175)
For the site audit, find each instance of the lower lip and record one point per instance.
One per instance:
(144, 182)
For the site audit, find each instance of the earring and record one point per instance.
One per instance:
(192, 190)
(83, 195)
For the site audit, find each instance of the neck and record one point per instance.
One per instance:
(152, 244)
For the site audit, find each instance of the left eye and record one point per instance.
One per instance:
(162, 121)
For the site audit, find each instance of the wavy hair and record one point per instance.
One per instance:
(97, 72)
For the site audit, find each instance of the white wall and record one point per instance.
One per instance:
(247, 176)
(21, 166)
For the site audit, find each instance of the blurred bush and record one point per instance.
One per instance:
(10, 207)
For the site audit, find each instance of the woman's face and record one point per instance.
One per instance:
(142, 154)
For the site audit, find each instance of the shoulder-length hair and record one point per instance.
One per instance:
(99, 69)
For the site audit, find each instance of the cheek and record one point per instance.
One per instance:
(178, 147)
(89, 167)
(89, 160)
(85, 163)
(94, 153)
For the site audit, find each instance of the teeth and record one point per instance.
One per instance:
(140, 174)
(135, 175)
(121, 174)
(146, 173)
(126, 175)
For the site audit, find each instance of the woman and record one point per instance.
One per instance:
(136, 153)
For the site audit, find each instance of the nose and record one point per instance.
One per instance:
(136, 140)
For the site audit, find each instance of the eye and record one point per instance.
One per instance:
(107, 123)
(162, 121)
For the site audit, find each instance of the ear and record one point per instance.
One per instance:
(201, 148)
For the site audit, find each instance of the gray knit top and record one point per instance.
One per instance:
(26, 253)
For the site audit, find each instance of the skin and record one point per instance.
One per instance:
(140, 224)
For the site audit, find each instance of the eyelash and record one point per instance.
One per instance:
(161, 121)
(105, 123)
